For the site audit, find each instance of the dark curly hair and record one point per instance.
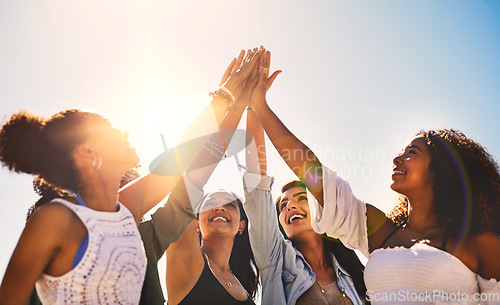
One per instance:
(43, 147)
(466, 185)
(241, 261)
(347, 258)
(49, 191)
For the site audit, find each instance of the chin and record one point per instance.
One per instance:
(134, 160)
(398, 190)
(395, 187)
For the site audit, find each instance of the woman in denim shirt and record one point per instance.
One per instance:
(303, 268)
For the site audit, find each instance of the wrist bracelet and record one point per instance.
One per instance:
(219, 94)
(215, 149)
(224, 93)
(211, 148)
(225, 90)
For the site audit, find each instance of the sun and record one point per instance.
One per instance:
(161, 123)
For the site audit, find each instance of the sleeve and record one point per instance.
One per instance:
(166, 226)
(263, 228)
(169, 222)
(342, 216)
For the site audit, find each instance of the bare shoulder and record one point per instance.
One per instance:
(486, 247)
(185, 264)
(378, 225)
(53, 216)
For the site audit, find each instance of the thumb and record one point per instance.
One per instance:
(271, 79)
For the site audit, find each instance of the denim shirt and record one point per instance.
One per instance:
(284, 273)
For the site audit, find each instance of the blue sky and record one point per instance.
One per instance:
(359, 79)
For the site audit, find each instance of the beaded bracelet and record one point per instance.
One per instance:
(224, 93)
(218, 156)
(225, 90)
(211, 148)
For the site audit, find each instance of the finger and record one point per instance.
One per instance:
(255, 72)
(262, 63)
(262, 76)
(254, 61)
(246, 56)
(247, 53)
(228, 72)
(271, 79)
(254, 77)
(267, 62)
(250, 56)
(238, 61)
(255, 52)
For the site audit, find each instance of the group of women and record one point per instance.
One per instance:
(85, 246)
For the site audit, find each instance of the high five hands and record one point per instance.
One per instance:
(246, 73)
(240, 70)
(265, 81)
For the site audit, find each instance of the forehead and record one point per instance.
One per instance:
(220, 195)
(294, 191)
(219, 198)
(99, 125)
(419, 142)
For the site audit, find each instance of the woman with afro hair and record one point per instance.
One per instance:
(84, 247)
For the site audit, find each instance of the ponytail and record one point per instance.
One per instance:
(21, 142)
(37, 146)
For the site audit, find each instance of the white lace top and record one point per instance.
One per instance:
(112, 269)
(419, 275)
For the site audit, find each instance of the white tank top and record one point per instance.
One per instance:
(425, 275)
(112, 268)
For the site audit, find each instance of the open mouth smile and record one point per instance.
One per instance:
(295, 217)
(220, 218)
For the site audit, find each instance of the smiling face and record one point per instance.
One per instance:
(411, 175)
(294, 214)
(113, 146)
(220, 215)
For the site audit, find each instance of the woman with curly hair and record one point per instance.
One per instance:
(81, 153)
(441, 243)
(87, 249)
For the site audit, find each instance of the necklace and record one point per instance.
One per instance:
(332, 294)
(415, 239)
(228, 283)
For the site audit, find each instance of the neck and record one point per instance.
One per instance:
(421, 213)
(312, 248)
(218, 250)
(100, 193)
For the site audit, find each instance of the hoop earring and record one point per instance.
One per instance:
(97, 162)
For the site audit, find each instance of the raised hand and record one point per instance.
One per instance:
(244, 99)
(239, 71)
(265, 81)
(233, 66)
